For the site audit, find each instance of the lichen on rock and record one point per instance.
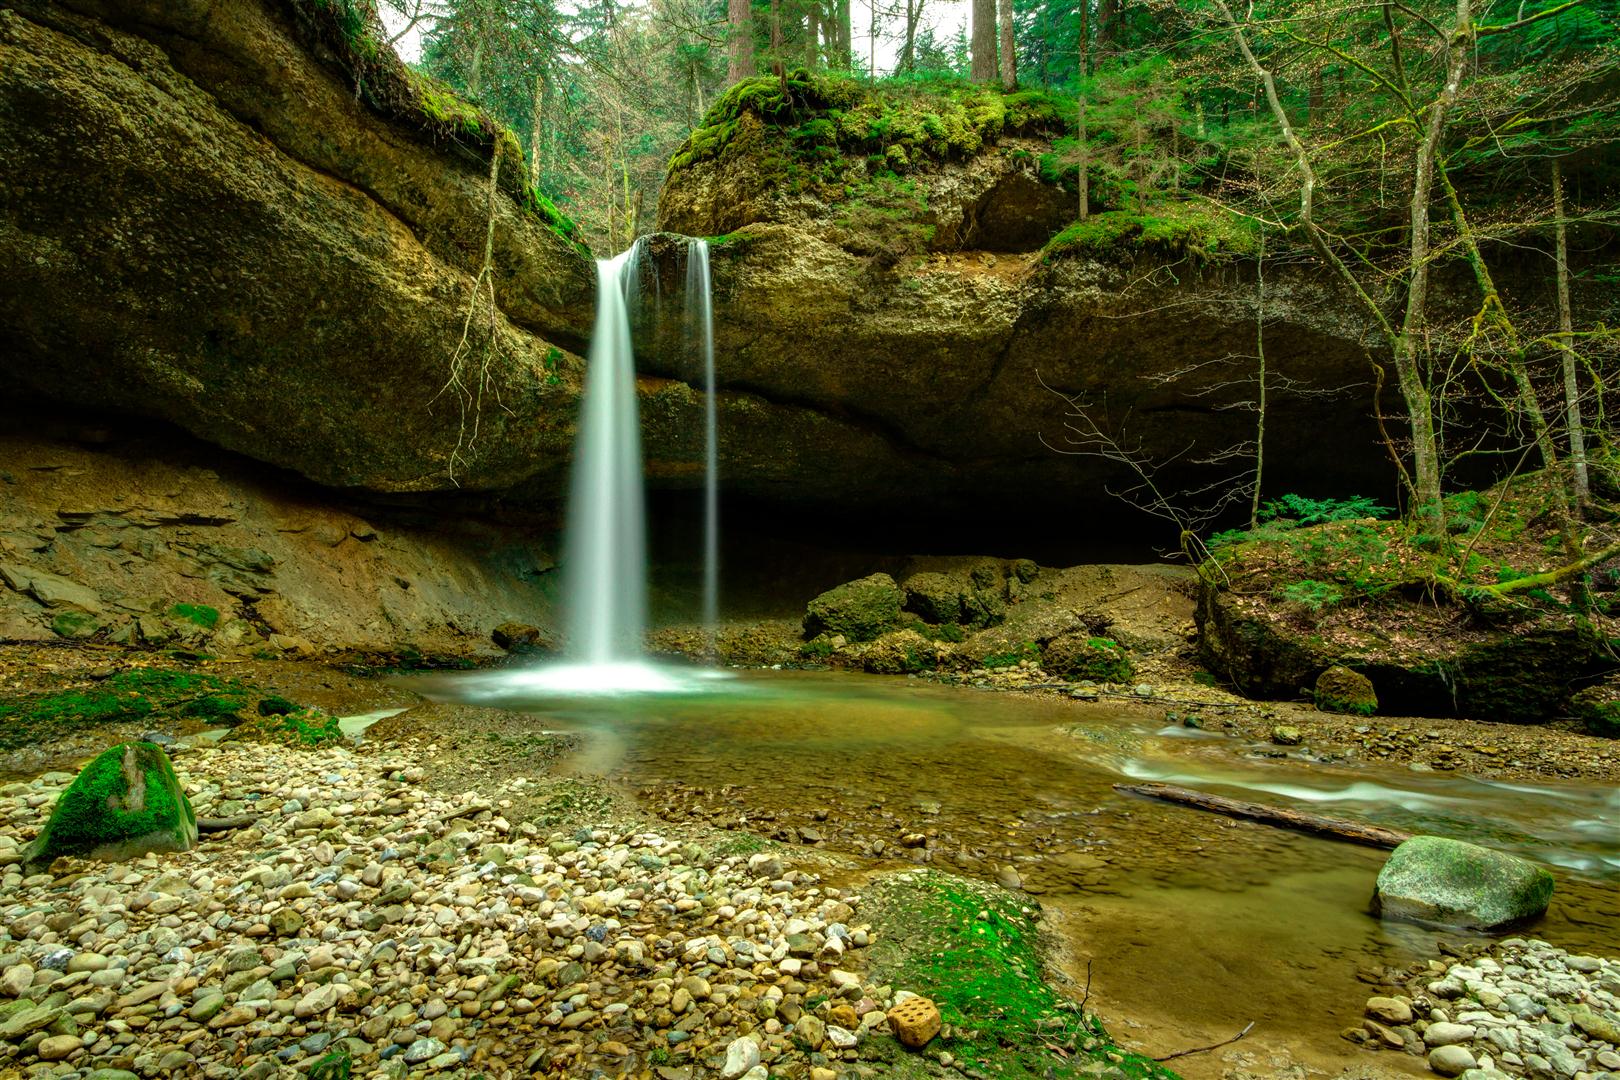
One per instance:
(1435, 880)
(126, 802)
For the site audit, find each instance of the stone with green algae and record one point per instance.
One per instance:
(1439, 881)
(126, 802)
(860, 610)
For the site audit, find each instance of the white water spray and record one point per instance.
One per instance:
(606, 567)
(700, 318)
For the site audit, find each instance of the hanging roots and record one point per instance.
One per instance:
(469, 380)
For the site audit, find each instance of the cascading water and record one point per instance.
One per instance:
(606, 567)
(700, 318)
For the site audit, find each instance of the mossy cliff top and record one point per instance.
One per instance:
(347, 34)
(823, 126)
(895, 169)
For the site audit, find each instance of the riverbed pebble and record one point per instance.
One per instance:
(1525, 1009)
(417, 931)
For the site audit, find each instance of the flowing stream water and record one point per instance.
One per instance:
(1192, 924)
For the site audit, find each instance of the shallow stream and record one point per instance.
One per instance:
(1192, 924)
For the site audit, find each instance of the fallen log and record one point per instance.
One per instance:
(1298, 820)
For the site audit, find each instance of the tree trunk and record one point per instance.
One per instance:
(846, 36)
(1083, 146)
(1085, 39)
(1354, 831)
(1009, 52)
(740, 41)
(1108, 18)
(1313, 102)
(1408, 367)
(1260, 383)
(984, 42)
(1402, 343)
(812, 35)
(1566, 331)
(536, 123)
(908, 51)
(776, 45)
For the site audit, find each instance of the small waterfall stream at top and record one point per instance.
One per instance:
(700, 320)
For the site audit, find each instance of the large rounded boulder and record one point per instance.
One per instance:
(859, 610)
(1433, 880)
(125, 803)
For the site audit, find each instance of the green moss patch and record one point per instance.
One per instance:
(125, 802)
(820, 125)
(1172, 229)
(139, 695)
(1079, 656)
(978, 955)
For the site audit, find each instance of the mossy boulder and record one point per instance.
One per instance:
(1341, 690)
(1433, 880)
(126, 802)
(901, 652)
(935, 597)
(1598, 708)
(859, 610)
(983, 608)
(1081, 656)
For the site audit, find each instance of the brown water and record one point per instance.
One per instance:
(1194, 924)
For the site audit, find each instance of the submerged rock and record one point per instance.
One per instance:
(859, 610)
(126, 802)
(1430, 879)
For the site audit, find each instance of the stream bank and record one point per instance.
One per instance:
(862, 775)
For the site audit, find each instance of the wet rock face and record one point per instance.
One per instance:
(162, 542)
(946, 381)
(216, 232)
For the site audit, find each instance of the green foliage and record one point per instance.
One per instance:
(335, 1064)
(201, 614)
(977, 956)
(1305, 512)
(1312, 594)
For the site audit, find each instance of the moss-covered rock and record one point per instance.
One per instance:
(935, 597)
(1082, 656)
(1431, 879)
(126, 802)
(1598, 708)
(859, 610)
(1341, 690)
(983, 608)
(901, 652)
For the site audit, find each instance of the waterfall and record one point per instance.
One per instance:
(700, 317)
(605, 585)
